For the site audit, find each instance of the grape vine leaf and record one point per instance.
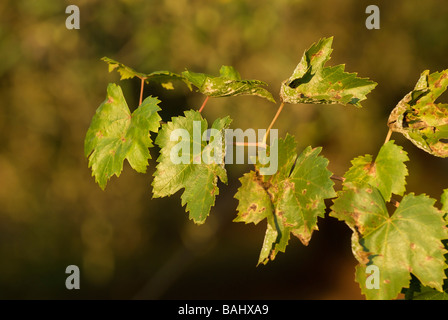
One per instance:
(115, 135)
(420, 119)
(290, 200)
(418, 292)
(409, 241)
(228, 83)
(387, 171)
(163, 77)
(198, 172)
(426, 293)
(311, 82)
(444, 201)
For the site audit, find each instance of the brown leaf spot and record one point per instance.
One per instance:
(253, 207)
(412, 245)
(280, 214)
(313, 204)
(110, 100)
(303, 237)
(288, 184)
(99, 134)
(438, 83)
(429, 258)
(317, 54)
(370, 168)
(304, 191)
(386, 281)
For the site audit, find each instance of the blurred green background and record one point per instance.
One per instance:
(52, 214)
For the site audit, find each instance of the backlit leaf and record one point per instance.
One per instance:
(198, 178)
(290, 200)
(227, 84)
(312, 82)
(409, 241)
(386, 173)
(163, 77)
(115, 135)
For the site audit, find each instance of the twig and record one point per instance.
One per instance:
(203, 104)
(141, 90)
(273, 121)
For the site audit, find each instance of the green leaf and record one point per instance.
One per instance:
(430, 294)
(124, 71)
(250, 211)
(290, 200)
(115, 134)
(228, 84)
(420, 119)
(387, 173)
(163, 77)
(409, 241)
(312, 82)
(444, 201)
(198, 173)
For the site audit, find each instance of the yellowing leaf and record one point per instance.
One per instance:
(420, 119)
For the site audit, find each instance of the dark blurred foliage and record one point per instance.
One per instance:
(52, 214)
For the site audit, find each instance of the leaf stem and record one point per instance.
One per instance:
(389, 134)
(141, 90)
(250, 144)
(273, 121)
(203, 104)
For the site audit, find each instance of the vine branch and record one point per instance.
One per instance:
(280, 108)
